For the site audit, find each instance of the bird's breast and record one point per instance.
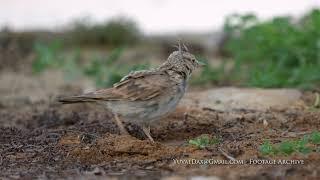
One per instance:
(150, 110)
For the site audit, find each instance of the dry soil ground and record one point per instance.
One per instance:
(42, 139)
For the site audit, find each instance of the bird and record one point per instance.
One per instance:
(144, 97)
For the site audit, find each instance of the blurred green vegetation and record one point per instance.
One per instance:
(104, 71)
(210, 74)
(281, 52)
(119, 31)
(116, 32)
(21, 41)
(46, 56)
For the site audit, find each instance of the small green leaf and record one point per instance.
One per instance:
(287, 147)
(315, 137)
(267, 149)
(203, 141)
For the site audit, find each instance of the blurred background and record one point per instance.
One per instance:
(52, 46)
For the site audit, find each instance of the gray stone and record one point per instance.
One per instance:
(230, 98)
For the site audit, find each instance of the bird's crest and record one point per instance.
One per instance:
(181, 47)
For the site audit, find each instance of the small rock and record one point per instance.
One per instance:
(174, 178)
(205, 178)
(97, 171)
(226, 99)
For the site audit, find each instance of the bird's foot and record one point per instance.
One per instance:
(119, 123)
(146, 130)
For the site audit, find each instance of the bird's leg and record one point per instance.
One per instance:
(146, 130)
(186, 114)
(123, 130)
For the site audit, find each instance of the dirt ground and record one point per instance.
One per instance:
(43, 139)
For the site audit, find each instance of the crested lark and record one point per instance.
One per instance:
(143, 97)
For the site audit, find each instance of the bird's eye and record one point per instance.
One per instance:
(193, 60)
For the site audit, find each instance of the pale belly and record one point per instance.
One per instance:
(145, 112)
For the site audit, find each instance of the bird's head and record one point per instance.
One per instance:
(183, 61)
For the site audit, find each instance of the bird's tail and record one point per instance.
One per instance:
(75, 99)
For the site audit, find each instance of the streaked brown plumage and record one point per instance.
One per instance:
(145, 96)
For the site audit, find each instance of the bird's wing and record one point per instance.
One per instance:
(140, 85)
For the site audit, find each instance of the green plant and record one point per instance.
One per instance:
(287, 147)
(304, 145)
(203, 141)
(209, 74)
(103, 70)
(267, 148)
(275, 53)
(106, 71)
(315, 137)
(71, 66)
(46, 56)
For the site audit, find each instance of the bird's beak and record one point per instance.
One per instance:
(201, 64)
